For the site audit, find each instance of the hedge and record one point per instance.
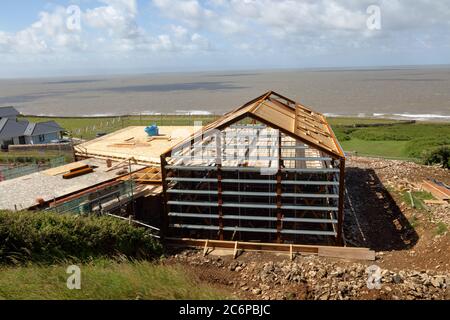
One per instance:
(49, 238)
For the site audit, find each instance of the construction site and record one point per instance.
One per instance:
(268, 176)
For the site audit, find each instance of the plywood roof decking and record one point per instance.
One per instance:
(134, 142)
(286, 115)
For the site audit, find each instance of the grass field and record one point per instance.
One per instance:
(391, 139)
(413, 141)
(105, 280)
(388, 149)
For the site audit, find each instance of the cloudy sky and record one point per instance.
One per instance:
(76, 37)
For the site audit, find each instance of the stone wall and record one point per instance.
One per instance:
(63, 147)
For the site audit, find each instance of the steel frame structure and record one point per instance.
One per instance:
(249, 179)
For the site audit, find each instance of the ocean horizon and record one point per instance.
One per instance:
(409, 93)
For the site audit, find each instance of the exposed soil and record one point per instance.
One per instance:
(412, 252)
(377, 216)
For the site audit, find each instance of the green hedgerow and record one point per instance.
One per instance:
(48, 238)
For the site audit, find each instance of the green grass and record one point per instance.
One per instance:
(105, 280)
(414, 221)
(117, 260)
(441, 228)
(348, 121)
(405, 141)
(418, 197)
(388, 149)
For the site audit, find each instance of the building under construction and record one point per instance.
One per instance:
(269, 171)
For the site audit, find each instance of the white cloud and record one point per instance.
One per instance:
(248, 31)
(316, 22)
(180, 40)
(118, 17)
(190, 12)
(113, 25)
(48, 34)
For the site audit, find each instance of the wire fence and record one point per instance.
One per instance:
(107, 125)
(20, 171)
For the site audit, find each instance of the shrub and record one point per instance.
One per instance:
(49, 238)
(439, 156)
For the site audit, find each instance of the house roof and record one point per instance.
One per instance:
(10, 128)
(8, 111)
(286, 115)
(35, 129)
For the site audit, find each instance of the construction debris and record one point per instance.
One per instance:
(78, 172)
(437, 189)
(258, 276)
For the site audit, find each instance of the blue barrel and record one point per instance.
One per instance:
(152, 130)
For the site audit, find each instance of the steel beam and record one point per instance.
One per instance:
(252, 206)
(256, 230)
(250, 218)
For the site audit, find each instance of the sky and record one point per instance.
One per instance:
(81, 37)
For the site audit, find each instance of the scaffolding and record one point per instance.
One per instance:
(247, 178)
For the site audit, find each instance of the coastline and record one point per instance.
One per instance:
(201, 113)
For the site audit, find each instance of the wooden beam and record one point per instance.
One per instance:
(235, 253)
(322, 251)
(77, 173)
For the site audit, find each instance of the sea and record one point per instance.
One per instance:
(413, 93)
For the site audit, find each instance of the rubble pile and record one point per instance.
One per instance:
(402, 176)
(311, 277)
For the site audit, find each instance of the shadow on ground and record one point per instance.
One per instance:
(372, 217)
